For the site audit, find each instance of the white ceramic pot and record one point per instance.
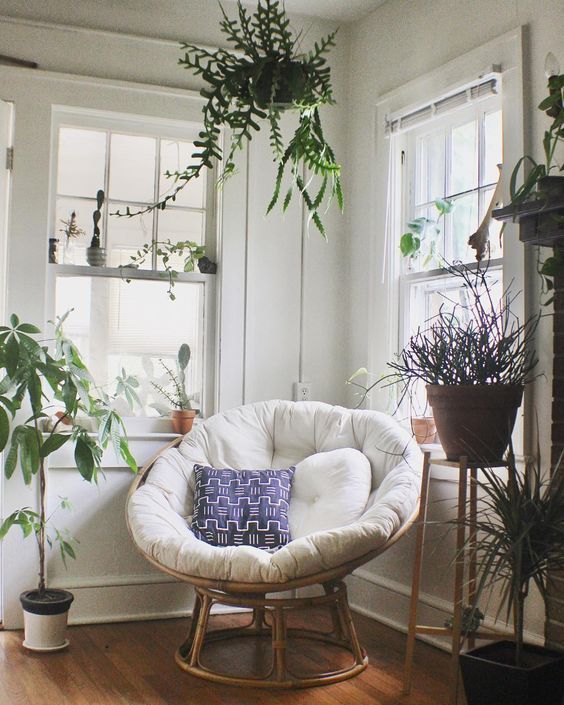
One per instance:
(45, 619)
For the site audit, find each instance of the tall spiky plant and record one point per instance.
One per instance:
(520, 537)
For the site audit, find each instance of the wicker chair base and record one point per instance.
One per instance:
(269, 620)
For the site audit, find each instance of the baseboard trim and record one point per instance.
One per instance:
(437, 603)
(150, 616)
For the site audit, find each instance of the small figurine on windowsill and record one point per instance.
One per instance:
(96, 255)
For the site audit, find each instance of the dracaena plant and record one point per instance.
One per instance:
(34, 384)
(520, 537)
(264, 76)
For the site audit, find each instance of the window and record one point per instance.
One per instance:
(450, 151)
(132, 325)
(453, 157)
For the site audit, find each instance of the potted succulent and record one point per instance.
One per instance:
(253, 85)
(520, 542)
(95, 254)
(71, 231)
(183, 414)
(36, 382)
(474, 359)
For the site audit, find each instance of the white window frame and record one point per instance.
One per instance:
(65, 116)
(503, 54)
(406, 154)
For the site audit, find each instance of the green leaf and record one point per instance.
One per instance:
(4, 428)
(126, 454)
(7, 524)
(444, 206)
(12, 356)
(409, 244)
(84, 459)
(28, 328)
(53, 443)
(14, 320)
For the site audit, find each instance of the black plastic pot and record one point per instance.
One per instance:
(491, 679)
(53, 602)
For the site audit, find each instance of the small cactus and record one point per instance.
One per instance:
(182, 361)
(96, 215)
(179, 397)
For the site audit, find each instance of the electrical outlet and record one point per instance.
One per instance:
(302, 391)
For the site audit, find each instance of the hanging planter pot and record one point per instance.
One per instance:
(45, 619)
(475, 420)
(247, 91)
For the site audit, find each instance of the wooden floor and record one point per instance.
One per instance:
(132, 664)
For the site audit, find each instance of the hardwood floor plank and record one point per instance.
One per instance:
(133, 664)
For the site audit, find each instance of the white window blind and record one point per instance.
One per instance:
(407, 121)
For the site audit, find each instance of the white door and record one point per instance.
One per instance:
(6, 155)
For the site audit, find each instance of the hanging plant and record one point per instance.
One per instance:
(266, 77)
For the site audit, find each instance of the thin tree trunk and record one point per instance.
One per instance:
(41, 539)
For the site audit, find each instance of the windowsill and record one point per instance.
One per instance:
(126, 273)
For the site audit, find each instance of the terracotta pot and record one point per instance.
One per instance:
(424, 429)
(182, 420)
(475, 420)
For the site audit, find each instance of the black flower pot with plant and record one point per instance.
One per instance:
(520, 530)
(491, 677)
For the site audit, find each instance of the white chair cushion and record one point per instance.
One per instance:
(276, 434)
(329, 490)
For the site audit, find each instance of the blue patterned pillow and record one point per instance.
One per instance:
(242, 507)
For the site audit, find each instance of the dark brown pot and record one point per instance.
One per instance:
(182, 420)
(475, 420)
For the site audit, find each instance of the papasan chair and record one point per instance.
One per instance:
(355, 492)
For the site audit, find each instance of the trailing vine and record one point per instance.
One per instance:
(262, 78)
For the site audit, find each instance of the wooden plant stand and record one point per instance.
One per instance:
(465, 560)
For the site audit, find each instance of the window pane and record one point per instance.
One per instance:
(496, 247)
(175, 156)
(81, 163)
(117, 325)
(176, 225)
(76, 253)
(431, 168)
(127, 235)
(464, 220)
(132, 168)
(493, 146)
(464, 158)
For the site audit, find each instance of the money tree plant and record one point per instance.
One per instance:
(37, 386)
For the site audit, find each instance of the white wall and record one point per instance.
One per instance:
(272, 275)
(398, 43)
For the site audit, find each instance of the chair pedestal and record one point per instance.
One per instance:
(269, 619)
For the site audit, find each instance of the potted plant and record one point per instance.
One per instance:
(520, 542)
(423, 232)
(192, 252)
(36, 382)
(538, 202)
(183, 414)
(264, 77)
(423, 426)
(71, 231)
(95, 254)
(474, 359)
